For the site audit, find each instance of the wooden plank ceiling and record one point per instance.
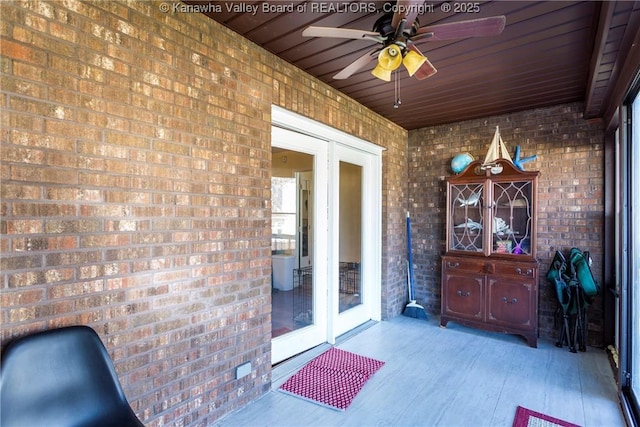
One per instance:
(550, 52)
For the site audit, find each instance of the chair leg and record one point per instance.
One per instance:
(560, 341)
(572, 338)
(566, 331)
(564, 334)
(583, 338)
(577, 337)
(581, 330)
(575, 318)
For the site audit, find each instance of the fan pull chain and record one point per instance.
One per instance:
(396, 90)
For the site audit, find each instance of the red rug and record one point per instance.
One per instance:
(332, 379)
(528, 418)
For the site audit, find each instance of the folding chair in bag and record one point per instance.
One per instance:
(575, 287)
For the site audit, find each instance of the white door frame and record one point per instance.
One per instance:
(325, 260)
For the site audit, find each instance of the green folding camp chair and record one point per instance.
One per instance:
(575, 288)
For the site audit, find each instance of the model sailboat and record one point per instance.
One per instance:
(497, 150)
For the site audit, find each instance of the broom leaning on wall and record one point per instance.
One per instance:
(412, 309)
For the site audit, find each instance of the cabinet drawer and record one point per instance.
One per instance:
(463, 265)
(515, 269)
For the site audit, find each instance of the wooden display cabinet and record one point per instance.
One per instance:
(489, 270)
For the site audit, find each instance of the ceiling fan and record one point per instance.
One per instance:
(397, 31)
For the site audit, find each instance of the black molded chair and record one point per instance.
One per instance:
(62, 377)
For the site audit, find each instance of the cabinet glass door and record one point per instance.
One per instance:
(466, 230)
(512, 217)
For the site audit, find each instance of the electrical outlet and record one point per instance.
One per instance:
(243, 370)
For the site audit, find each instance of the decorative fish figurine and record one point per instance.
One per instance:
(472, 200)
(470, 224)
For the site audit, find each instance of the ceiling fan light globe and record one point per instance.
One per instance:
(413, 61)
(390, 57)
(381, 73)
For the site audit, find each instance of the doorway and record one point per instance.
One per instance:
(326, 190)
(298, 286)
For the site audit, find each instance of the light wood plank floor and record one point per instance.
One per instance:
(450, 377)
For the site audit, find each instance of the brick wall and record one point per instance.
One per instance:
(136, 193)
(570, 200)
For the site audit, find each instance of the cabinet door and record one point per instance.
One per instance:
(511, 302)
(462, 295)
(466, 219)
(512, 213)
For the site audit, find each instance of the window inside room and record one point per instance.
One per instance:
(283, 217)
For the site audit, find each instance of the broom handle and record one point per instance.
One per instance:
(410, 257)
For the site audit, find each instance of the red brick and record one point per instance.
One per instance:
(138, 160)
(19, 51)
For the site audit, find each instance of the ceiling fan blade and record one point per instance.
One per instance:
(407, 9)
(341, 33)
(426, 70)
(357, 65)
(464, 29)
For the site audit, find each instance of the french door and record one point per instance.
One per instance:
(300, 284)
(328, 281)
(355, 252)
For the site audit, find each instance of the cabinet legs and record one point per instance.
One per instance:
(531, 338)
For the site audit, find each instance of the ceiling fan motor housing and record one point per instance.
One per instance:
(384, 27)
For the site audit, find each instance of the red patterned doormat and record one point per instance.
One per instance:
(528, 418)
(332, 379)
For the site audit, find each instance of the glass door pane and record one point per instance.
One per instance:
(292, 278)
(350, 241)
(466, 218)
(512, 217)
